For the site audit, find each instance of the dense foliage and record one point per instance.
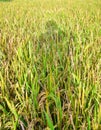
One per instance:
(50, 65)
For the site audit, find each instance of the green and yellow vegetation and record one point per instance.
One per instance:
(50, 65)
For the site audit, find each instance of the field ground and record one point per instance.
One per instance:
(50, 65)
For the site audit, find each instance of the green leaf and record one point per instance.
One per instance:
(49, 122)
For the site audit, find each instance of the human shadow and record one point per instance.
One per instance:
(53, 33)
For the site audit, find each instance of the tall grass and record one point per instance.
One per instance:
(50, 65)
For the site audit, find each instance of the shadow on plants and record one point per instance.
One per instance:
(53, 33)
